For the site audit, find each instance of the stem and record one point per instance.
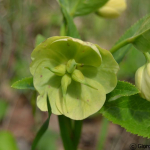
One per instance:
(147, 56)
(66, 132)
(103, 134)
(121, 44)
(70, 135)
(77, 132)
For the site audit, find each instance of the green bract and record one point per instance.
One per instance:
(142, 81)
(75, 75)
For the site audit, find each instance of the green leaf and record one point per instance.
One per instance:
(3, 109)
(141, 39)
(82, 7)
(43, 128)
(122, 89)
(71, 28)
(25, 83)
(132, 113)
(7, 141)
(119, 55)
(39, 39)
(48, 141)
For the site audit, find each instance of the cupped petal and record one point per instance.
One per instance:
(38, 51)
(46, 83)
(83, 52)
(104, 74)
(43, 51)
(81, 100)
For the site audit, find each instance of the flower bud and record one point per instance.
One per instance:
(142, 81)
(112, 9)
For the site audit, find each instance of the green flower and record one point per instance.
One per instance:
(112, 9)
(75, 75)
(142, 81)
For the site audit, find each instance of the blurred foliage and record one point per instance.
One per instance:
(7, 141)
(3, 108)
(49, 144)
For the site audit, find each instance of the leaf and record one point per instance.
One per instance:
(43, 128)
(131, 112)
(119, 55)
(48, 141)
(7, 141)
(39, 39)
(82, 7)
(3, 109)
(25, 83)
(71, 28)
(122, 89)
(141, 39)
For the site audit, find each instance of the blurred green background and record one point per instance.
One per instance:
(20, 23)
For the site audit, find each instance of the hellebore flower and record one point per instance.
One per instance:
(75, 75)
(142, 81)
(112, 9)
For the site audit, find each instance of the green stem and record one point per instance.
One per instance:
(66, 132)
(147, 56)
(77, 132)
(103, 134)
(121, 44)
(70, 133)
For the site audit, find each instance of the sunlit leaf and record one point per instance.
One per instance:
(25, 83)
(119, 55)
(131, 112)
(122, 89)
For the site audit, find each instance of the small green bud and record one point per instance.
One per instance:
(112, 9)
(71, 65)
(142, 81)
(58, 70)
(79, 77)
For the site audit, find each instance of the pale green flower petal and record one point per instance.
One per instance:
(81, 100)
(46, 83)
(62, 49)
(104, 74)
(75, 75)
